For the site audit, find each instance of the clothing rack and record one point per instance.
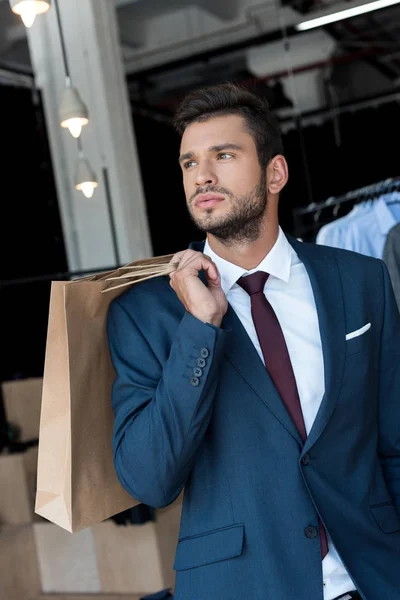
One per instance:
(315, 209)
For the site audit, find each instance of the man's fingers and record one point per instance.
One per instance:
(194, 260)
(212, 272)
(176, 259)
(197, 262)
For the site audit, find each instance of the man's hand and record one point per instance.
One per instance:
(208, 304)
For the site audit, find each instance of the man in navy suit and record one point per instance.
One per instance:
(277, 409)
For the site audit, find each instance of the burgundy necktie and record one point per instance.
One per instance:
(276, 357)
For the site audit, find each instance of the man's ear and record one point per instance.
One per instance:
(277, 174)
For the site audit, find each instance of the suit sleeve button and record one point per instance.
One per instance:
(201, 363)
(194, 381)
(204, 353)
(311, 532)
(198, 372)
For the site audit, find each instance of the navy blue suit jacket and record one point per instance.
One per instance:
(252, 488)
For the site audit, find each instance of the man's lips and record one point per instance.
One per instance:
(207, 200)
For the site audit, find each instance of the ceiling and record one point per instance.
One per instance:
(170, 47)
(354, 58)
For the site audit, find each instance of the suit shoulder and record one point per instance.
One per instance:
(346, 258)
(155, 289)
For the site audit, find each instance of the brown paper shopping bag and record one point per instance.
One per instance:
(76, 484)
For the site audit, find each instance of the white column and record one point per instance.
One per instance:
(95, 64)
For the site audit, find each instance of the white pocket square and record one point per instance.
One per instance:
(358, 332)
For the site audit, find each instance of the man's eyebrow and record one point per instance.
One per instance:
(185, 156)
(219, 148)
(227, 146)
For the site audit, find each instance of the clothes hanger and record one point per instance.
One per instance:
(392, 187)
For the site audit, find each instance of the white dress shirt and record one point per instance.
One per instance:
(289, 291)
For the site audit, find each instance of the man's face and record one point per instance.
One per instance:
(224, 184)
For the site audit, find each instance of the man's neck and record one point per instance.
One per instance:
(247, 255)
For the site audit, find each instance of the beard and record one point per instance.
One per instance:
(244, 222)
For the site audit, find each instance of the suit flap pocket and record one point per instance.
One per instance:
(209, 547)
(387, 517)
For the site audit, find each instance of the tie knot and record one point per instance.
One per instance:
(253, 284)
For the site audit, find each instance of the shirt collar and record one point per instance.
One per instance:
(277, 263)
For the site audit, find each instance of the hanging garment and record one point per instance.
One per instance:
(364, 231)
(391, 256)
(331, 234)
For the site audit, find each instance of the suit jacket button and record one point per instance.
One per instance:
(305, 459)
(198, 372)
(204, 353)
(194, 381)
(311, 532)
(201, 363)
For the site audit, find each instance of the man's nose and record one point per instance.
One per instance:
(205, 176)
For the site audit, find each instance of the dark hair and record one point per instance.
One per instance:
(230, 99)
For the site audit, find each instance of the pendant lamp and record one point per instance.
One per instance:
(73, 112)
(85, 179)
(29, 9)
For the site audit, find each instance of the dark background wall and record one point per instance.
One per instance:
(31, 237)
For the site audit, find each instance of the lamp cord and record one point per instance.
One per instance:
(63, 48)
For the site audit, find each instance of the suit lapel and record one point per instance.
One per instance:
(327, 288)
(245, 359)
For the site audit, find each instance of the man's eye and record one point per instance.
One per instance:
(189, 164)
(225, 155)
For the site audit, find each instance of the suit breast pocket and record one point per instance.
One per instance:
(358, 344)
(209, 547)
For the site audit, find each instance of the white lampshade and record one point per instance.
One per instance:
(73, 112)
(29, 9)
(85, 179)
